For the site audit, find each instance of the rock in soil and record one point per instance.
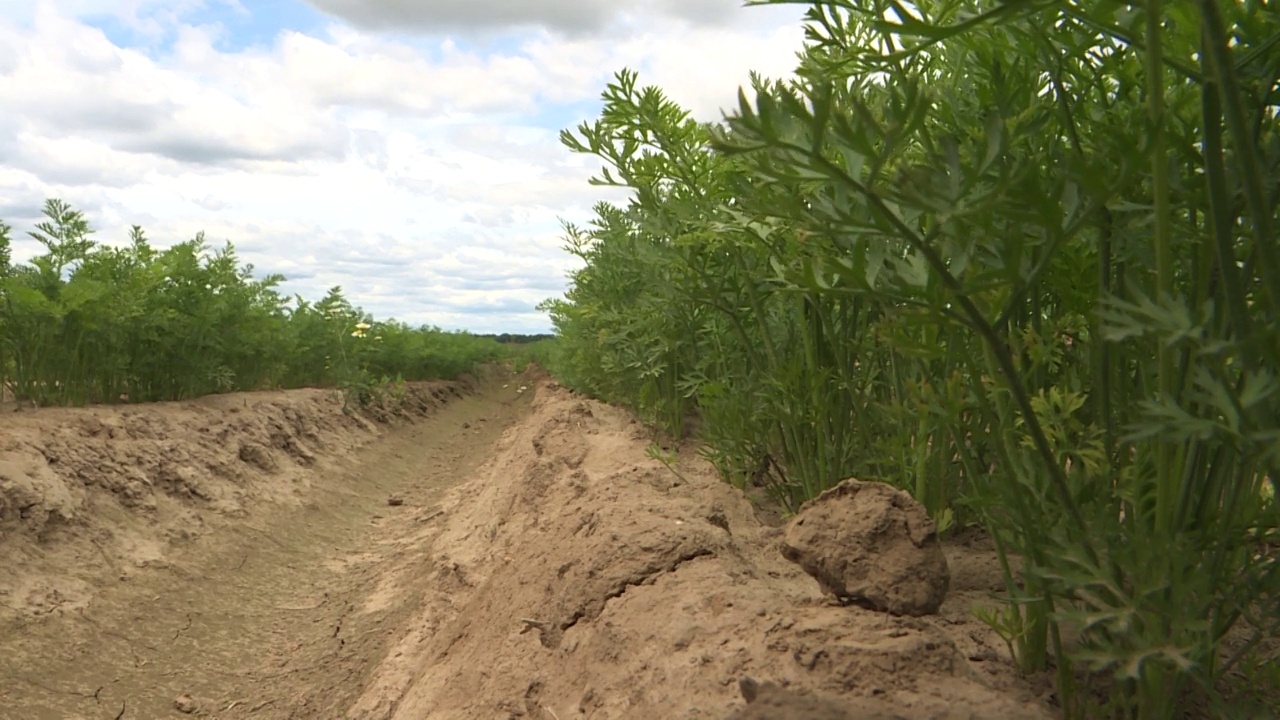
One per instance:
(871, 545)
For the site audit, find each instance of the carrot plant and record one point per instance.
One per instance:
(84, 322)
(1018, 258)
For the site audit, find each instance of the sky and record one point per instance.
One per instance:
(406, 150)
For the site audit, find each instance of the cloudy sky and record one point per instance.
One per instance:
(404, 149)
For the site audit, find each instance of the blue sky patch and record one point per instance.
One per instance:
(156, 27)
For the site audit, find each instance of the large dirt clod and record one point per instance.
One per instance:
(871, 545)
(31, 493)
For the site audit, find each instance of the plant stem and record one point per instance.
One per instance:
(1166, 492)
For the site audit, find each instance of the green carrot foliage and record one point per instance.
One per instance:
(1018, 258)
(90, 323)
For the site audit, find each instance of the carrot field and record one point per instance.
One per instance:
(1017, 258)
(91, 322)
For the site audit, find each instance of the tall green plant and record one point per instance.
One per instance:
(1016, 257)
(672, 308)
(84, 322)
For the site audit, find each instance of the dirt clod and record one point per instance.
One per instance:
(259, 457)
(871, 545)
(186, 704)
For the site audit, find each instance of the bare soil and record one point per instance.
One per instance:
(485, 553)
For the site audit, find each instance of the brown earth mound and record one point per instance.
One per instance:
(119, 484)
(576, 577)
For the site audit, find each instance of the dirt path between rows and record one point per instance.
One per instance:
(278, 611)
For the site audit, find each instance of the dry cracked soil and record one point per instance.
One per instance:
(497, 547)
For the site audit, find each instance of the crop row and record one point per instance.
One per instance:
(1017, 258)
(85, 322)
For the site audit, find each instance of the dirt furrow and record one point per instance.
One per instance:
(276, 609)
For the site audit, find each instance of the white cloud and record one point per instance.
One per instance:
(577, 16)
(424, 175)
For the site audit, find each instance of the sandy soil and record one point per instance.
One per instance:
(246, 583)
(490, 554)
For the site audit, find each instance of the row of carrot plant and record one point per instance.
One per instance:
(1017, 257)
(85, 322)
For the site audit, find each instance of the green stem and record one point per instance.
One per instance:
(1246, 153)
(1166, 492)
